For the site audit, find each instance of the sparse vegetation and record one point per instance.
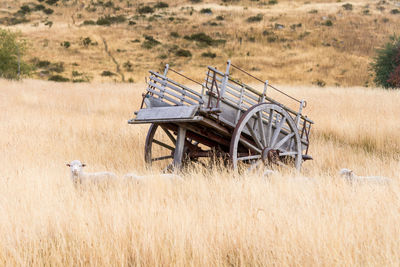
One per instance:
(145, 10)
(149, 42)
(183, 53)
(66, 44)
(108, 20)
(58, 78)
(256, 18)
(209, 54)
(206, 11)
(108, 73)
(161, 5)
(347, 6)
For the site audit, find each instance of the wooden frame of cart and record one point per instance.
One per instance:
(223, 118)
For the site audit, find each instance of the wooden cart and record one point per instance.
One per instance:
(222, 118)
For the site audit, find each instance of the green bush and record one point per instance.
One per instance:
(145, 10)
(161, 5)
(48, 11)
(150, 42)
(12, 48)
(108, 73)
(58, 78)
(201, 38)
(386, 64)
(183, 53)
(209, 54)
(257, 18)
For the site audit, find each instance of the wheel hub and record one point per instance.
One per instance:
(269, 155)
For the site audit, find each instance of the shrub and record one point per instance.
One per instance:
(65, 44)
(58, 78)
(220, 17)
(51, 2)
(257, 18)
(183, 53)
(174, 34)
(23, 10)
(89, 22)
(161, 5)
(39, 7)
(347, 6)
(272, 2)
(145, 10)
(149, 42)
(108, 20)
(394, 11)
(200, 37)
(208, 54)
(86, 41)
(328, 23)
(320, 83)
(12, 48)
(107, 73)
(206, 11)
(386, 64)
(48, 11)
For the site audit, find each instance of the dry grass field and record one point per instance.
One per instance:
(292, 42)
(212, 218)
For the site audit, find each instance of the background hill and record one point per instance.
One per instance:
(288, 42)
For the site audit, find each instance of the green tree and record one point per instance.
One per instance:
(12, 50)
(386, 64)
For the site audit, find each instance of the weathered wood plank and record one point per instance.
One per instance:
(177, 89)
(171, 93)
(176, 83)
(162, 113)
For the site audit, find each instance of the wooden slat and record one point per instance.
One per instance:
(162, 96)
(169, 92)
(176, 83)
(177, 89)
(162, 113)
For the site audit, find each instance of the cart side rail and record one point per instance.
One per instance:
(171, 92)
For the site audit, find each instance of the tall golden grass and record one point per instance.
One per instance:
(213, 218)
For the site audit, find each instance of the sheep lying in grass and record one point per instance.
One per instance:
(138, 178)
(351, 177)
(78, 176)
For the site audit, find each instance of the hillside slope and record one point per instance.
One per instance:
(288, 42)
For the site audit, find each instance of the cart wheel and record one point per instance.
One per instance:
(160, 146)
(268, 133)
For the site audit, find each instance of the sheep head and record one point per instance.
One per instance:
(75, 167)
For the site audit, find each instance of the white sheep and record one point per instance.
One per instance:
(78, 176)
(351, 177)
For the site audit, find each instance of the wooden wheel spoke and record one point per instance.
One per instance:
(261, 128)
(250, 146)
(171, 137)
(254, 135)
(269, 131)
(163, 144)
(250, 157)
(283, 141)
(277, 131)
(162, 158)
(288, 153)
